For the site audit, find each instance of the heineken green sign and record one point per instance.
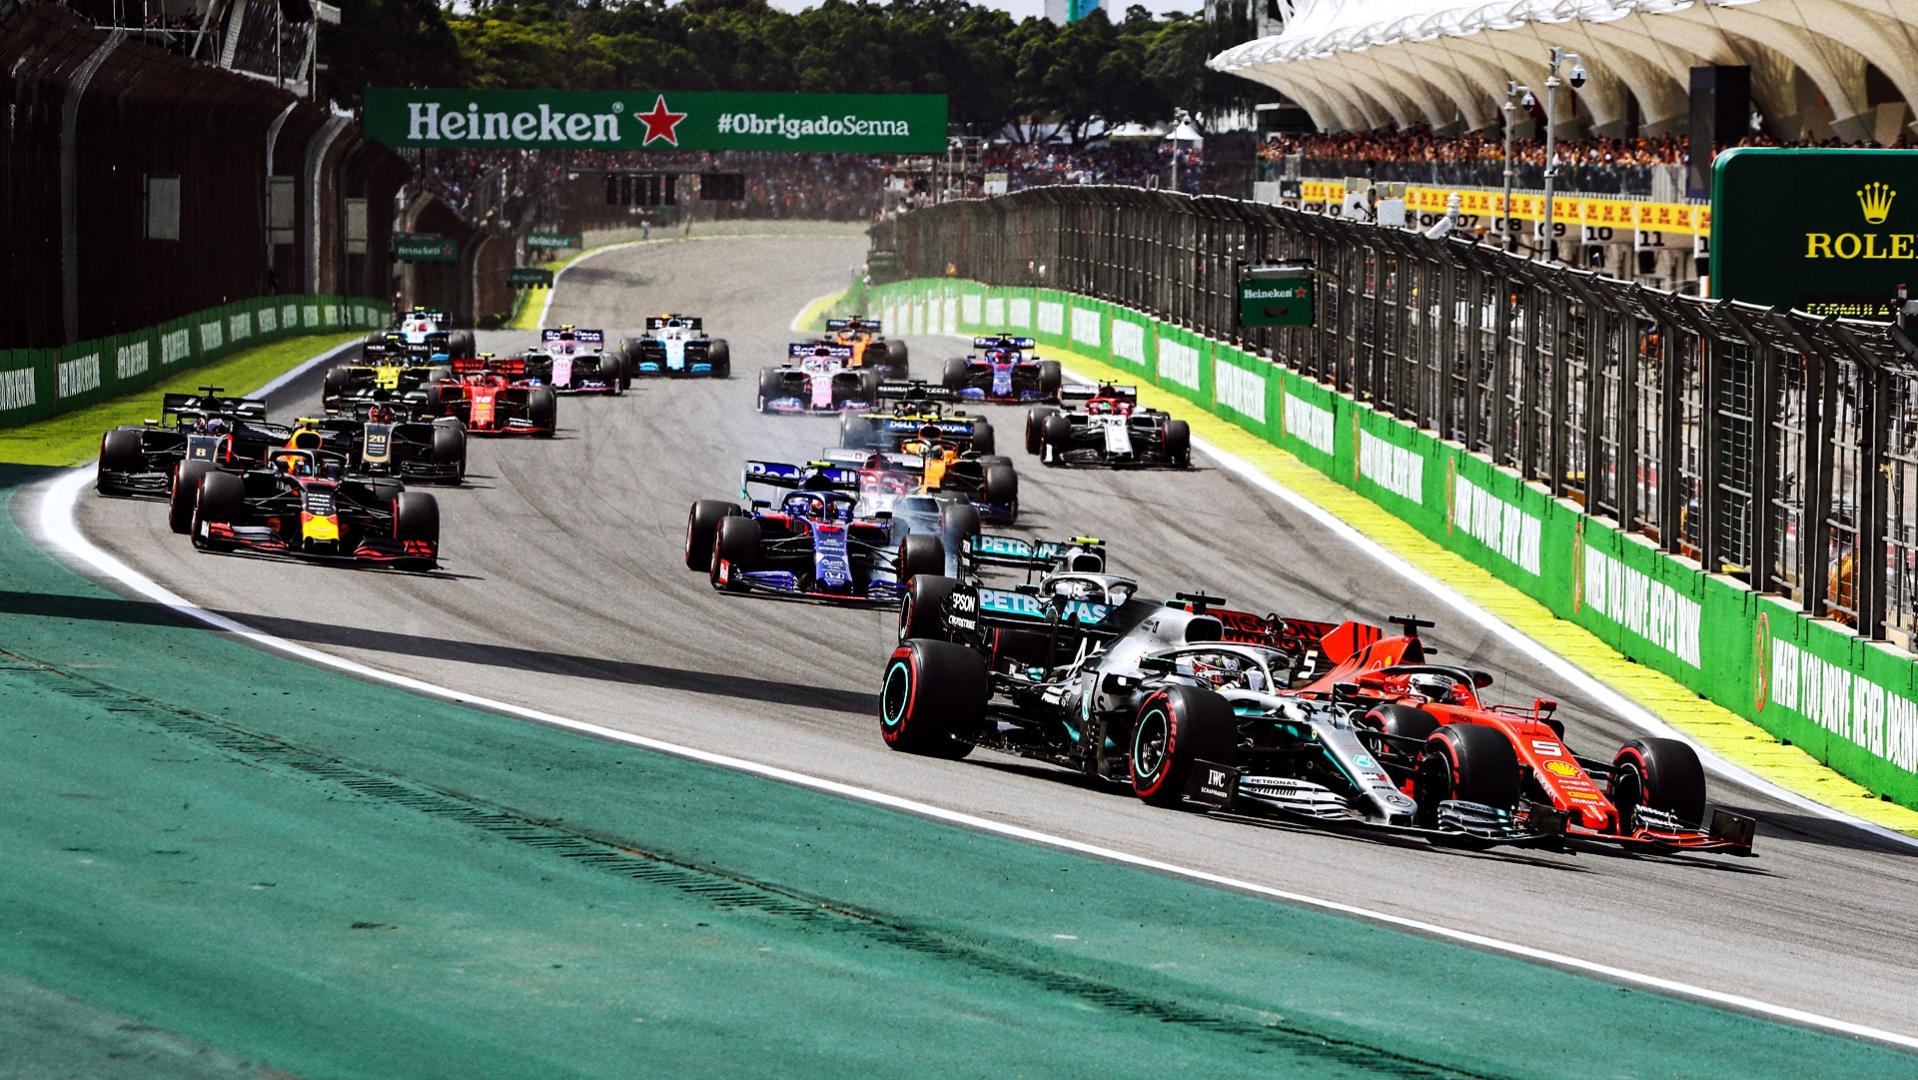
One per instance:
(658, 120)
(1275, 296)
(552, 240)
(424, 247)
(529, 276)
(1831, 232)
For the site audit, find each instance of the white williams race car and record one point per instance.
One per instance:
(677, 345)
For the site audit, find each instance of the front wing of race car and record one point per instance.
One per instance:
(264, 540)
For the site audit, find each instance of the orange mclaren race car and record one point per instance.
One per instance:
(869, 347)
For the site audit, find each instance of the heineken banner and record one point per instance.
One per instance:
(658, 120)
(424, 247)
(552, 240)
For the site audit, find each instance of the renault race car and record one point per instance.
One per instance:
(302, 503)
(1003, 369)
(812, 545)
(492, 396)
(915, 406)
(573, 360)
(389, 366)
(1107, 428)
(816, 379)
(677, 345)
(870, 348)
(145, 459)
(1080, 671)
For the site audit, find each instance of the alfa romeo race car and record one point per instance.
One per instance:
(572, 360)
(303, 504)
(145, 459)
(492, 396)
(870, 348)
(1080, 671)
(815, 379)
(677, 345)
(1003, 370)
(915, 407)
(1108, 428)
(812, 545)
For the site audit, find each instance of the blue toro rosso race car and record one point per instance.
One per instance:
(813, 545)
(1002, 369)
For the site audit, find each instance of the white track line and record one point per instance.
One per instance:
(57, 524)
(1621, 706)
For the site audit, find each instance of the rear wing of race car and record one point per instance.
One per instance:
(802, 350)
(817, 475)
(854, 323)
(853, 458)
(209, 404)
(1327, 643)
(1004, 343)
(510, 365)
(689, 322)
(900, 428)
(1085, 553)
(1079, 392)
(914, 390)
(583, 337)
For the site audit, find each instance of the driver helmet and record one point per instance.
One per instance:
(1228, 673)
(296, 464)
(1434, 687)
(216, 426)
(332, 470)
(929, 433)
(381, 414)
(805, 504)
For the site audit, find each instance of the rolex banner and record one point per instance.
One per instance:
(656, 120)
(1831, 232)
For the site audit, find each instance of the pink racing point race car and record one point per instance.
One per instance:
(817, 378)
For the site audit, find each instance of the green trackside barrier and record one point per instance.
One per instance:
(1851, 704)
(38, 383)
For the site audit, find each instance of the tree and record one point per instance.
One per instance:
(388, 43)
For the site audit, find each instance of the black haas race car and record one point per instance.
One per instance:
(1003, 369)
(302, 503)
(382, 436)
(1107, 428)
(390, 365)
(204, 427)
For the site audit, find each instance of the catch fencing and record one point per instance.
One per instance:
(136, 186)
(1740, 481)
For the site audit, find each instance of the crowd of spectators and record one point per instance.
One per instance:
(1146, 163)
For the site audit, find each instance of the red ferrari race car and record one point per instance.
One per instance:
(1428, 722)
(491, 397)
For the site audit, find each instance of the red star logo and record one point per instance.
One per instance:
(661, 122)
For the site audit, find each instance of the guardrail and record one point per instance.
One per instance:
(1743, 482)
(38, 383)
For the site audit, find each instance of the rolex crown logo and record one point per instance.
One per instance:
(1875, 200)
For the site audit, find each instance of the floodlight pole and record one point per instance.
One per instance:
(1558, 56)
(1513, 92)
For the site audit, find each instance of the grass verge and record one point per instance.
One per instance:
(74, 438)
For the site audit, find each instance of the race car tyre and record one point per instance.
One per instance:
(702, 525)
(920, 555)
(1036, 429)
(119, 453)
(933, 698)
(771, 386)
(869, 386)
(449, 448)
(1002, 486)
(1662, 774)
(337, 381)
(720, 356)
(219, 498)
(896, 357)
(1174, 729)
(1178, 442)
(416, 516)
(1057, 437)
(185, 490)
(1051, 378)
(610, 367)
(958, 522)
(955, 376)
(736, 547)
(1412, 726)
(1468, 762)
(460, 344)
(994, 459)
(922, 607)
(377, 337)
(542, 409)
(385, 491)
(983, 440)
(855, 431)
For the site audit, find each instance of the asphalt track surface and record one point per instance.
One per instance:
(563, 589)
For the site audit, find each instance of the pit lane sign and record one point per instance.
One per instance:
(657, 120)
(1831, 232)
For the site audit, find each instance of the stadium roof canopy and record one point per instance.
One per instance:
(1820, 68)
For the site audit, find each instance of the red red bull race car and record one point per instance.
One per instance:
(301, 503)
